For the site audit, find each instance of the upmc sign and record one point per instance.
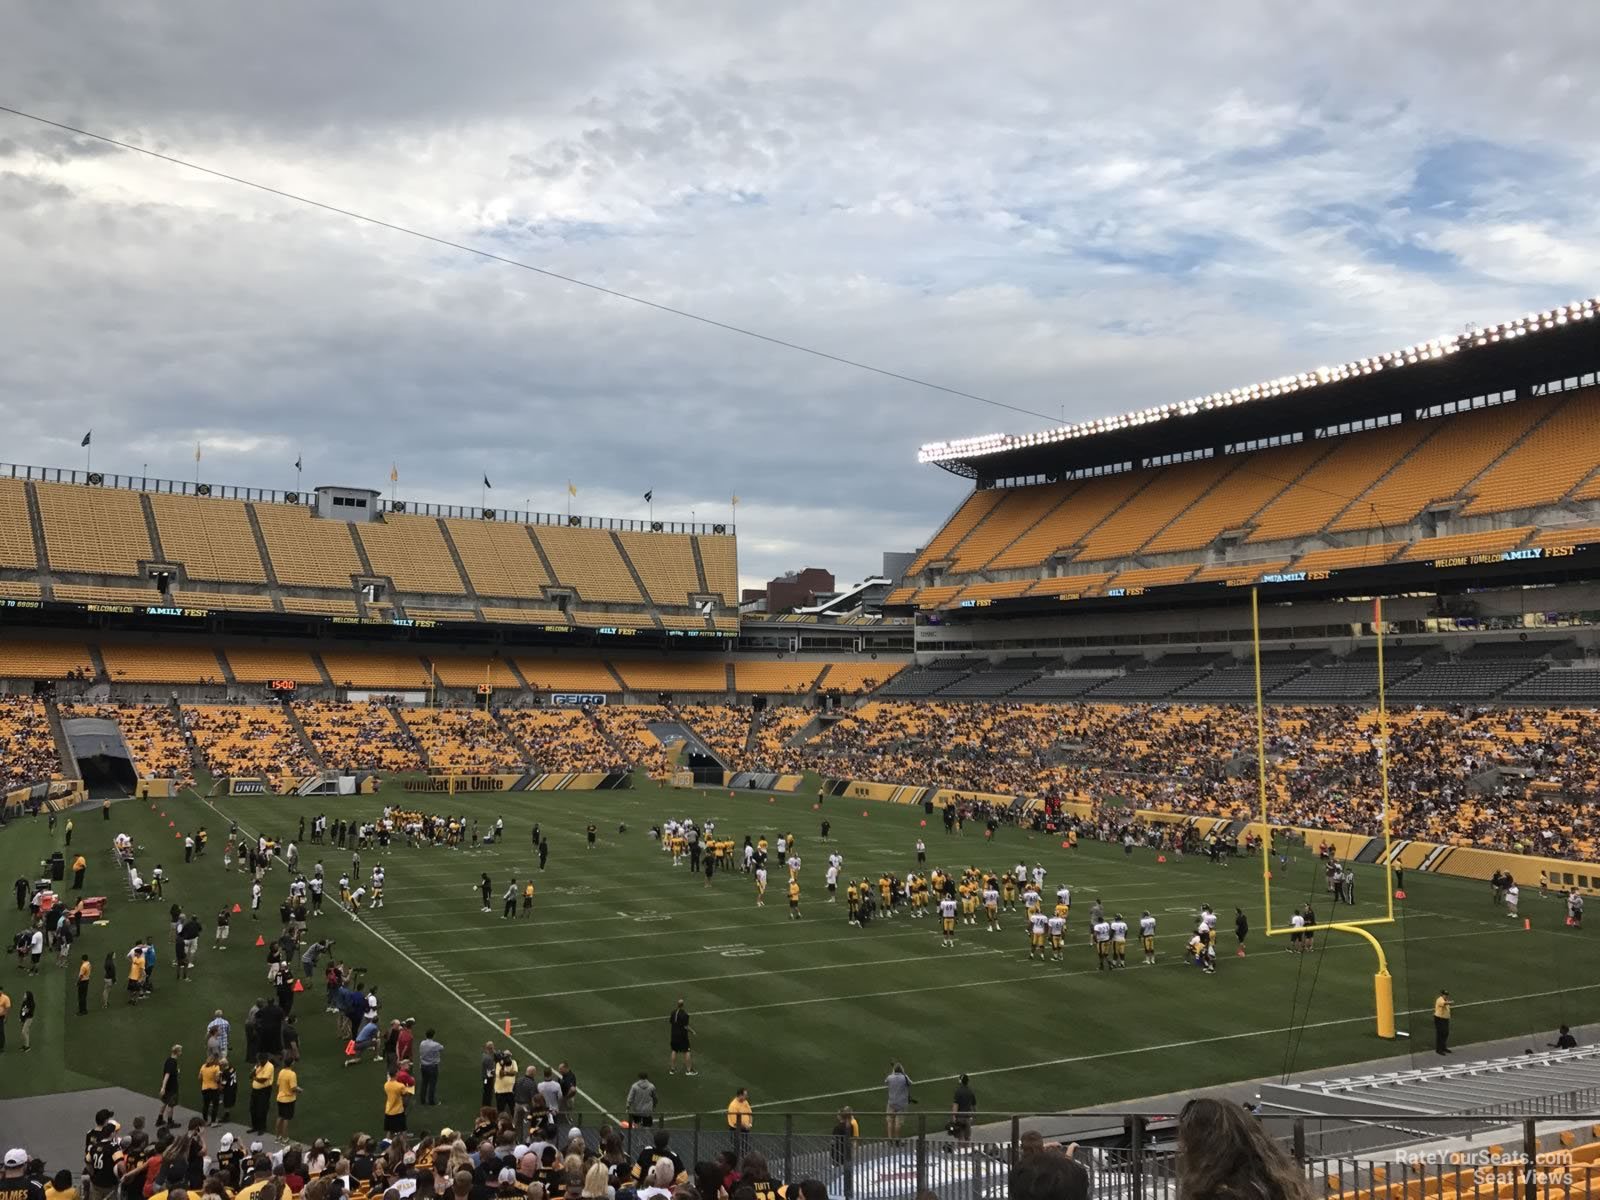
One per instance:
(577, 699)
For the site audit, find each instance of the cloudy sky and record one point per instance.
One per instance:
(1074, 210)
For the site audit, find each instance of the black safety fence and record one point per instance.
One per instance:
(1549, 1150)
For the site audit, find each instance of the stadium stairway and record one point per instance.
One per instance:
(266, 558)
(600, 729)
(400, 722)
(622, 686)
(638, 580)
(305, 737)
(41, 548)
(225, 667)
(461, 567)
(96, 658)
(511, 736)
(197, 761)
(69, 762)
(750, 742)
(150, 527)
(322, 668)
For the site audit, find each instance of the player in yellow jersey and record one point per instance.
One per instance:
(852, 899)
(969, 901)
(527, 899)
(947, 920)
(794, 898)
(885, 896)
(1008, 893)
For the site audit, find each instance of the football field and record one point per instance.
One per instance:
(807, 1013)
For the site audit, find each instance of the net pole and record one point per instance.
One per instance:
(1383, 765)
(1261, 761)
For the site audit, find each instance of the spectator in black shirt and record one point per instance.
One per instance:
(962, 1106)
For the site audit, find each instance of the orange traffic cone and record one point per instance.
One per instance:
(1066, 845)
(1399, 894)
(863, 812)
(260, 941)
(298, 986)
(1161, 858)
(170, 825)
(508, 1026)
(236, 908)
(922, 823)
(1527, 925)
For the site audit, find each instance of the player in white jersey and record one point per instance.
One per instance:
(833, 883)
(1119, 942)
(1038, 876)
(794, 865)
(1209, 920)
(1058, 938)
(1064, 896)
(255, 901)
(783, 849)
(1038, 924)
(355, 901)
(377, 887)
(1100, 934)
(761, 887)
(947, 919)
(1147, 937)
(836, 861)
(1030, 901)
(749, 857)
(991, 908)
(1020, 874)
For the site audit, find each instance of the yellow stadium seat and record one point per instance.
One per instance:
(587, 561)
(16, 529)
(720, 557)
(500, 558)
(412, 553)
(94, 530)
(211, 538)
(665, 563)
(307, 551)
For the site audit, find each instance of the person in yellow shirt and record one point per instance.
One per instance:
(394, 1103)
(261, 1079)
(80, 864)
(61, 1186)
(288, 1092)
(527, 899)
(85, 974)
(210, 1090)
(740, 1120)
(794, 898)
(136, 976)
(1441, 1023)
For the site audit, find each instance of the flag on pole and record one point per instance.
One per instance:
(486, 482)
(572, 488)
(650, 496)
(736, 502)
(197, 452)
(87, 438)
(394, 473)
(297, 459)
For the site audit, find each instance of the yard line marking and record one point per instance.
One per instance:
(947, 987)
(880, 962)
(465, 1003)
(1224, 1037)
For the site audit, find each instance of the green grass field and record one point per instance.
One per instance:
(806, 1013)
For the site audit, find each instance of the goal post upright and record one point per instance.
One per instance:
(1382, 981)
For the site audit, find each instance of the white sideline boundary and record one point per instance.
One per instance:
(1225, 1037)
(457, 996)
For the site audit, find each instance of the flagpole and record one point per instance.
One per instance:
(88, 456)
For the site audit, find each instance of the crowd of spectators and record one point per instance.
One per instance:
(30, 748)
(563, 739)
(359, 736)
(151, 733)
(463, 741)
(247, 740)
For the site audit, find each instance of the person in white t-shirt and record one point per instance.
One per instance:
(833, 883)
(1512, 893)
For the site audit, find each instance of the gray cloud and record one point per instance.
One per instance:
(1075, 211)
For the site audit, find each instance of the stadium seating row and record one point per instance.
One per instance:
(112, 534)
(177, 663)
(1511, 457)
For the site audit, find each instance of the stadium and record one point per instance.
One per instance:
(1380, 575)
(464, 776)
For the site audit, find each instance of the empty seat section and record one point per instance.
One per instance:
(719, 555)
(442, 614)
(359, 737)
(463, 741)
(1003, 590)
(775, 676)
(160, 664)
(315, 606)
(1231, 503)
(856, 677)
(665, 562)
(587, 561)
(682, 621)
(12, 589)
(1171, 491)
(616, 620)
(1238, 575)
(1437, 469)
(1345, 557)
(933, 597)
(500, 559)
(1086, 504)
(261, 664)
(354, 668)
(76, 593)
(42, 660)
(567, 675)
(1148, 577)
(1085, 584)
(211, 538)
(307, 551)
(1572, 535)
(151, 733)
(247, 740)
(224, 601)
(1548, 463)
(1335, 481)
(95, 530)
(1017, 511)
(464, 671)
(411, 551)
(673, 676)
(527, 616)
(30, 748)
(16, 530)
(1489, 541)
(973, 509)
(563, 739)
